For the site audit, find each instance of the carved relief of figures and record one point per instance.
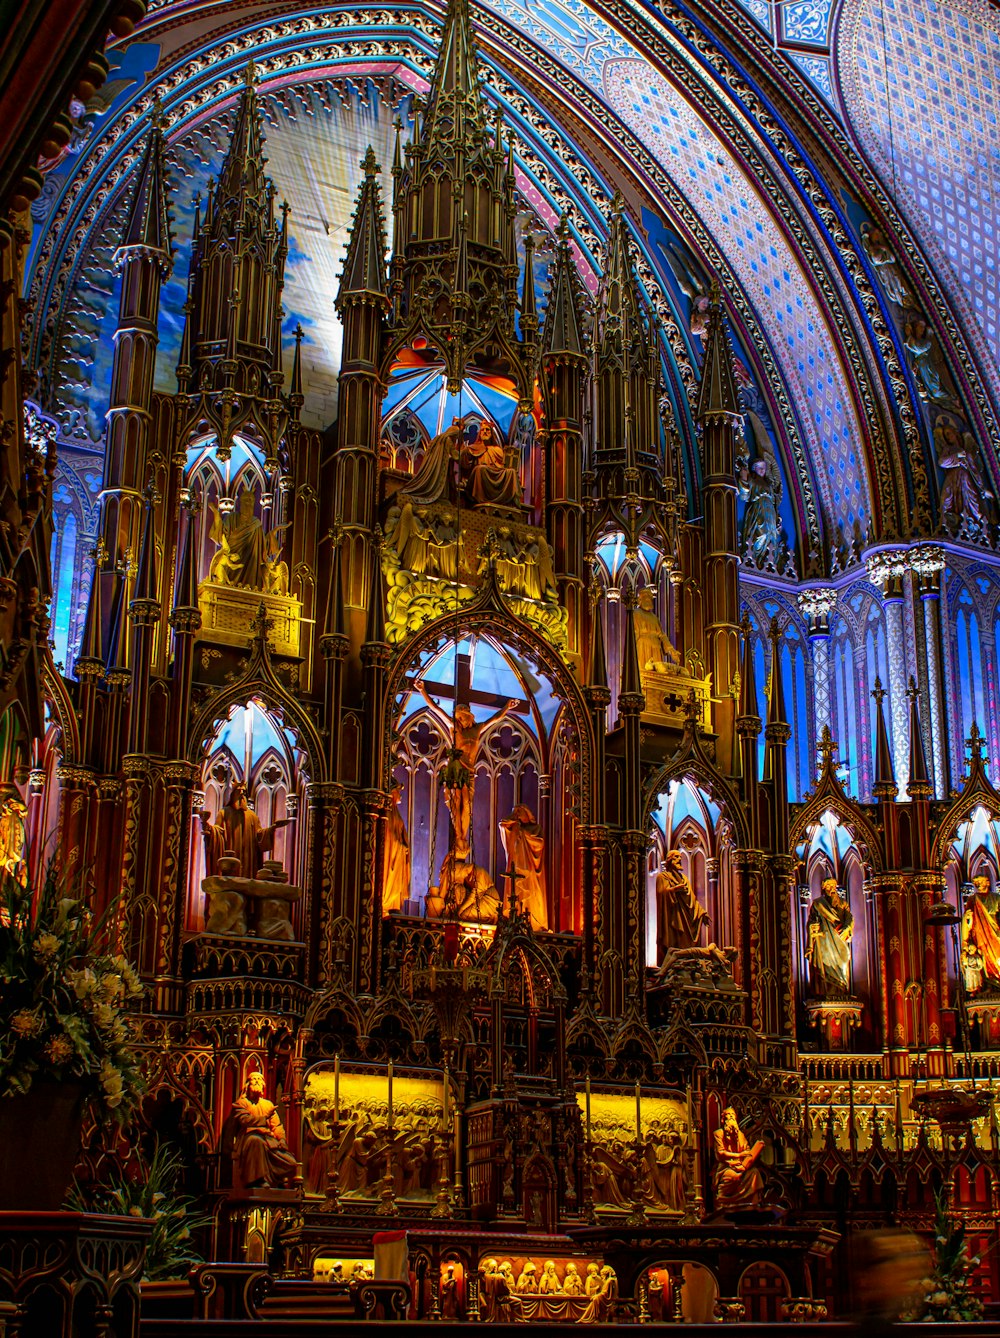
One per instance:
(247, 557)
(523, 563)
(524, 847)
(354, 1149)
(883, 259)
(604, 1302)
(918, 339)
(966, 500)
(425, 544)
(830, 927)
(981, 937)
(260, 1153)
(679, 914)
(653, 645)
(239, 830)
(396, 860)
(738, 1182)
(664, 1155)
(759, 484)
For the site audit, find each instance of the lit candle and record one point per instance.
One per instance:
(447, 1084)
(638, 1112)
(336, 1089)
(587, 1090)
(390, 1093)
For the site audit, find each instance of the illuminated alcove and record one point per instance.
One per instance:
(686, 819)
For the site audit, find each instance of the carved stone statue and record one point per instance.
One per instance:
(679, 913)
(528, 1280)
(430, 483)
(426, 544)
(965, 497)
(572, 1282)
(652, 643)
(260, 1153)
(981, 933)
(12, 835)
(449, 1294)
(524, 847)
(831, 928)
(738, 1182)
(918, 339)
(494, 478)
(247, 557)
(604, 1302)
(759, 484)
(548, 1283)
(880, 253)
(396, 861)
(238, 829)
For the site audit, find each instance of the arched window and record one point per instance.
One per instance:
(844, 707)
(968, 652)
(65, 576)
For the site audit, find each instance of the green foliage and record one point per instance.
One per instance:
(947, 1295)
(151, 1191)
(63, 999)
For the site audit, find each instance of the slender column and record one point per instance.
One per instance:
(325, 801)
(896, 1041)
(887, 569)
(816, 604)
(928, 563)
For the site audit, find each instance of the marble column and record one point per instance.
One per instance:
(928, 563)
(887, 570)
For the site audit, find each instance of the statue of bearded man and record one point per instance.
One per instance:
(238, 829)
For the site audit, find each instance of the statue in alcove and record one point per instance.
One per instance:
(239, 831)
(679, 914)
(260, 1153)
(247, 557)
(652, 644)
(830, 926)
(430, 482)
(738, 1182)
(981, 936)
(12, 835)
(524, 847)
(494, 477)
(759, 485)
(396, 862)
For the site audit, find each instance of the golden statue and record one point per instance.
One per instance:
(981, 935)
(548, 1283)
(524, 847)
(679, 914)
(603, 1302)
(494, 478)
(653, 645)
(396, 857)
(831, 928)
(239, 830)
(459, 778)
(247, 557)
(260, 1153)
(572, 1282)
(738, 1182)
(12, 835)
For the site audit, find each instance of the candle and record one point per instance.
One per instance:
(638, 1112)
(587, 1090)
(336, 1089)
(447, 1084)
(390, 1093)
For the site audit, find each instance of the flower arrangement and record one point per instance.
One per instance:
(63, 999)
(947, 1296)
(150, 1190)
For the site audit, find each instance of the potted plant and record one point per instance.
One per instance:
(947, 1295)
(65, 1038)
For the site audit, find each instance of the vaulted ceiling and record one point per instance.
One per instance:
(759, 143)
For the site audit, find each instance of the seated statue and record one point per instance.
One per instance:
(738, 1182)
(572, 1282)
(247, 556)
(656, 654)
(494, 480)
(260, 1153)
(981, 935)
(430, 483)
(831, 928)
(603, 1304)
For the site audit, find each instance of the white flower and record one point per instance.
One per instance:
(82, 983)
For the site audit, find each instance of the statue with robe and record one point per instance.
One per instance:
(524, 847)
(759, 485)
(679, 913)
(981, 933)
(883, 258)
(247, 557)
(239, 830)
(652, 643)
(494, 478)
(12, 835)
(738, 1182)
(396, 857)
(260, 1153)
(430, 483)
(831, 927)
(966, 499)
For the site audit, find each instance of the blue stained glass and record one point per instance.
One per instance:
(251, 729)
(760, 674)
(970, 670)
(63, 544)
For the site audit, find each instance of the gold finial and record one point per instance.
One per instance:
(878, 691)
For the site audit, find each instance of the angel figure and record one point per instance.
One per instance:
(883, 259)
(759, 485)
